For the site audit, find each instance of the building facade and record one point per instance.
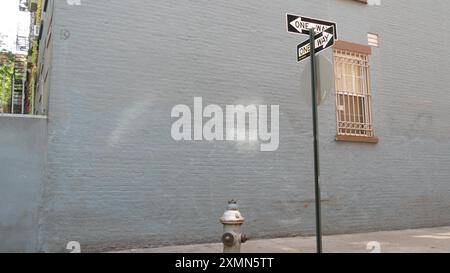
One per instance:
(115, 178)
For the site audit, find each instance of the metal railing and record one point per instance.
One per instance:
(15, 98)
(12, 97)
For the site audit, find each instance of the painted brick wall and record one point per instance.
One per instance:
(22, 163)
(116, 179)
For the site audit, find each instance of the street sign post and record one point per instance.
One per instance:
(316, 142)
(322, 35)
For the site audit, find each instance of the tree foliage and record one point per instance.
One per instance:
(6, 72)
(34, 53)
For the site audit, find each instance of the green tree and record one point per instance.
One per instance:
(6, 72)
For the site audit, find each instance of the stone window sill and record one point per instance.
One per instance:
(360, 139)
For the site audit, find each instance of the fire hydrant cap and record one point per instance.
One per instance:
(232, 215)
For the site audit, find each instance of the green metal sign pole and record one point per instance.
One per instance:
(316, 141)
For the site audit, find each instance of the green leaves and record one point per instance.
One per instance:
(6, 72)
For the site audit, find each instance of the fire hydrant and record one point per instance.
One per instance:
(232, 221)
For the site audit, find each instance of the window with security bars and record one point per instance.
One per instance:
(353, 98)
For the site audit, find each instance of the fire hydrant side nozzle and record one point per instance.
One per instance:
(232, 220)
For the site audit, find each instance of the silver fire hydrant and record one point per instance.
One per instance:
(232, 221)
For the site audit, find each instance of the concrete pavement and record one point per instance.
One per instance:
(427, 240)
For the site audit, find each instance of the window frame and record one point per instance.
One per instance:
(344, 46)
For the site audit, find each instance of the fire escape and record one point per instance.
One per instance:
(19, 78)
(19, 85)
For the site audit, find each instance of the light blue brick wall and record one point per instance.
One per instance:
(116, 179)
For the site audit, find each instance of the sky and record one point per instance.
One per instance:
(10, 17)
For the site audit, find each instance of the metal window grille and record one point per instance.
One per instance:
(353, 98)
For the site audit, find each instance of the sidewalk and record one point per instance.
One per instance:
(435, 240)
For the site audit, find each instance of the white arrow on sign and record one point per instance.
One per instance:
(322, 41)
(302, 25)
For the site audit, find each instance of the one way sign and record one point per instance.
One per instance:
(302, 25)
(323, 41)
